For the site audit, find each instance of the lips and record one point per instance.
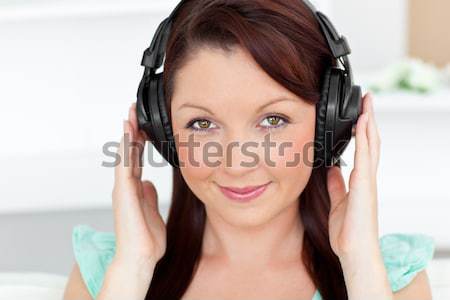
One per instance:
(244, 190)
(243, 194)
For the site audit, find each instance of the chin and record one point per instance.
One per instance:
(247, 217)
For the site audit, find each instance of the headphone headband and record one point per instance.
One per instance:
(154, 55)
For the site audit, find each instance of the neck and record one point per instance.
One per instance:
(279, 239)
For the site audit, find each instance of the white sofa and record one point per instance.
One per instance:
(31, 286)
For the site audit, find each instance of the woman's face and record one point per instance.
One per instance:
(228, 97)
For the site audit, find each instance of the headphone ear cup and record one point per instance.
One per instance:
(169, 143)
(354, 108)
(321, 117)
(336, 113)
(165, 122)
(141, 109)
(152, 116)
(338, 122)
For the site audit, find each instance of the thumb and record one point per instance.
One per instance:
(150, 194)
(336, 186)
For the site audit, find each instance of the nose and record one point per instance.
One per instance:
(242, 154)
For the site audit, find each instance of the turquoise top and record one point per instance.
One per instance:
(404, 256)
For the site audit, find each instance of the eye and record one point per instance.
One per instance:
(274, 121)
(203, 125)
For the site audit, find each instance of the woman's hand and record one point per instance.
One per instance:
(139, 228)
(353, 221)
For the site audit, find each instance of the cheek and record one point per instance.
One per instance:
(194, 171)
(294, 149)
(294, 161)
(190, 153)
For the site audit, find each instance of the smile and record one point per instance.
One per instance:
(243, 194)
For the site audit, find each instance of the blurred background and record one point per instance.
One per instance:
(69, 70)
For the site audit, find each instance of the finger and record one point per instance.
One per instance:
(336, 186)
(133, 119)
(150, 203)
(122, 171)
(124, 189)
(373, 135)
(140, 138)
(137, 144)
(132, 148)
(362, 156)
(150, 194)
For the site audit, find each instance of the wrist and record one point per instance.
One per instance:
(141, 269)
(360, 252)
(365, 275)
(124, 280)
(358, 262)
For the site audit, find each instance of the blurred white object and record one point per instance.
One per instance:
(409, 73)
(45, 286)
(31, 286)
(439, 274)
(446, 75)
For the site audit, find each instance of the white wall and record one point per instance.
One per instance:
(376, 30)
(324, 6)
(69, 73)
(66, 84)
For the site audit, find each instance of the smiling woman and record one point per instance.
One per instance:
(250, 73)
(232, 60)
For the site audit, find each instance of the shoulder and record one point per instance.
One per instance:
(93, 251)
(405, 256)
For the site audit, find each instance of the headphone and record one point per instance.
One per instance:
(336, 112)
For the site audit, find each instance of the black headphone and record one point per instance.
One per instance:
(336, 112)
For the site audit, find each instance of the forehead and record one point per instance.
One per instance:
(214, 77)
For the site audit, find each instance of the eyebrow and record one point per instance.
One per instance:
(273, 101)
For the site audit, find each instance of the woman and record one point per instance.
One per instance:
(305, 236)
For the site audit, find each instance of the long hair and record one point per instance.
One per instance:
(286, 41)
